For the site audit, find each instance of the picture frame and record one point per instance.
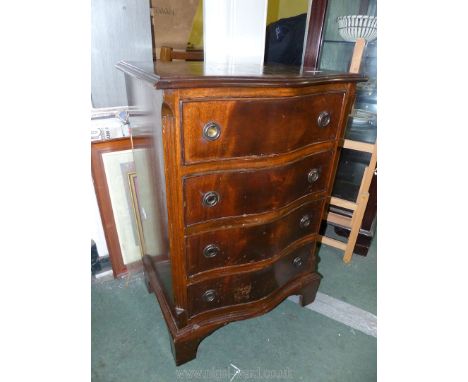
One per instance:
(115, 185)
(133, 182)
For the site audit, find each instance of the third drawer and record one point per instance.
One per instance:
(246, 192)
(242, 245)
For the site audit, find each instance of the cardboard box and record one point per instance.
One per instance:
(172, 22)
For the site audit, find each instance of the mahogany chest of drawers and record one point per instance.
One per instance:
(235, 167)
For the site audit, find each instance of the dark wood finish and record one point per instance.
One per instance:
(98, 148)
(252, 127)
(249, 192)
(192, 75)
(307, 294)
(263, 192)
(244, 245)
(315, 30)
(248, 287)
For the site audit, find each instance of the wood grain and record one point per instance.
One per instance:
(257, 127)
(192, 75)
(315, 30)
(254, 191)
(243, 245)
(248, 287)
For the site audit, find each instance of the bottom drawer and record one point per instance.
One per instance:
(250, 286)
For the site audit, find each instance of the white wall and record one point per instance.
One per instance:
(234, 31)
(97, 232)
(120, 30)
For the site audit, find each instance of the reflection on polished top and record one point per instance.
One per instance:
(188, 74)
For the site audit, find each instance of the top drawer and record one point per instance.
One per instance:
(225, 129)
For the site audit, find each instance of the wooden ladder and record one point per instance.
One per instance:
(359, 207)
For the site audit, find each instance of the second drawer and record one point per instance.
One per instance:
(245, 192)
(241, 245)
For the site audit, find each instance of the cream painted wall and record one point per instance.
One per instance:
(97, 232)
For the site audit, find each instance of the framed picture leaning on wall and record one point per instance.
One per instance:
(115, 184)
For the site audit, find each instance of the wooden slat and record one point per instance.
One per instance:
(168, 54)
(343, 203)
(341, 220)
(333, 243)
(357, 55)
(355, 226)
(368, 173)
(189, 55)
(165, 54)
(359, 146)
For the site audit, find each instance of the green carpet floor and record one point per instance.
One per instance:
(354, 283)
(130, 341)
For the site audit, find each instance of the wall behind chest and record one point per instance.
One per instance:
(120, 30)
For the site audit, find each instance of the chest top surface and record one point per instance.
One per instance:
(186, 74)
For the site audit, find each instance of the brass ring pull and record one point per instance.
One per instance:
(210, 199)
(298, 262)
(209, 295)
(211, 250)
(211, 131)
(313, 175)
(324, 119)
(305, 221)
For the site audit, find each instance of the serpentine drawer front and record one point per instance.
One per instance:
(234, 173)
(237, 193)
(221, 129)
(247, 287)
(243, 245)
